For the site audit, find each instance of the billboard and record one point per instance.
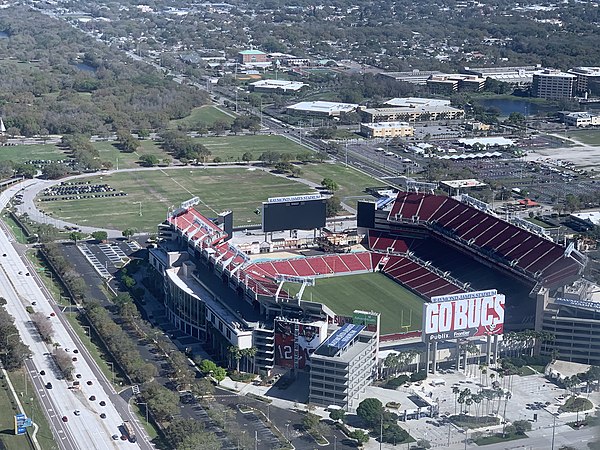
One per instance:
(577, 303)
(304, 212)
(369, 319)
(463, 315)
(290, 335)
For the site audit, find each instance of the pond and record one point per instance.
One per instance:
(85, 67)
(507, 106)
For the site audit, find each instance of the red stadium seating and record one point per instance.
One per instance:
(530, 253)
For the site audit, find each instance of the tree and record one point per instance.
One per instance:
(76, 236)
(423, 443)
(338, 414)
(329, 184)
(219, 126)
(361, 437)
(207, 366)
(202, 387)
(236, 354)
(128, 232)
(333, 206)
(149, 160)
(370, 411)
(310, 421)
(100, 235)
(53, 171)
(219, 374)
(522, 426)
(247, 157)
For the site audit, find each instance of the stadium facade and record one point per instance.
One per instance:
(433, 245)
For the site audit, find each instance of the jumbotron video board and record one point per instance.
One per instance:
(299, 212)
(460, 316)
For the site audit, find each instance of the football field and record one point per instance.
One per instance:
(400, 309)
(238, 189)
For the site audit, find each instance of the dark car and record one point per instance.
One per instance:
(89, 382)
(48, 385)
(42, 372)
(65, 419)
(103, 416)
(93, 398)
(102, 403)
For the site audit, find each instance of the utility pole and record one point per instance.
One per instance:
(553, 430)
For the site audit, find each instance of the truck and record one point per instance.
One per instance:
(129, 432)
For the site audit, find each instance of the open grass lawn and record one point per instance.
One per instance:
(231, 148)
(351, 182)
(590, 137)
(344, 294)
(108, 152)
(496, 438)
(7, 437)
(21, 153)
(32, 409)
(206, 115)
(239, 189)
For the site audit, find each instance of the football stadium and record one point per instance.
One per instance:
(278, 292)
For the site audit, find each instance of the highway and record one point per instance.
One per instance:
(19, 286)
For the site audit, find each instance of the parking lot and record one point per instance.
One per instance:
(108, 257)
(530, 395)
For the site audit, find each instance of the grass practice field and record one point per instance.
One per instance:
(21, 153)
(239, 189)
(206, 115)
(231, 148)
(590, 137)
(397, 305)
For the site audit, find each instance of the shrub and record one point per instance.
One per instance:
(418, 376)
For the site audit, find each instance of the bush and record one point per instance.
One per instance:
(522, 426)
(418, 376)
(395, 383)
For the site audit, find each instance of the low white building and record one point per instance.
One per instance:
(322, 109)
(281, 86)
(581, 119)
(386, 129)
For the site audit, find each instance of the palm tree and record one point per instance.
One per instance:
(469, 402)
(477, 398)
(235, 353)
(507, 397)
(455, 391)
(251, 353)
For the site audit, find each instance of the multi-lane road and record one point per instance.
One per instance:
(94, 424)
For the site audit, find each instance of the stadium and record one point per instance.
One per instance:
(416, 246)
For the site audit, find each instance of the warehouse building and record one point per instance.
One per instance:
(321, 109)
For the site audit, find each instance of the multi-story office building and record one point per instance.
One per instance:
(343, 366)
(588, 80)
(574, 321)
(412, 113)
(449, 83)
(553, 84)
(252, 56)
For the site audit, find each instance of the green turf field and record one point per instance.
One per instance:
(206, 115)
(231, 148)
(21, 153)
(238, 189)
(108, 152)
(351, 182)
(370, 291)
(590, 137)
